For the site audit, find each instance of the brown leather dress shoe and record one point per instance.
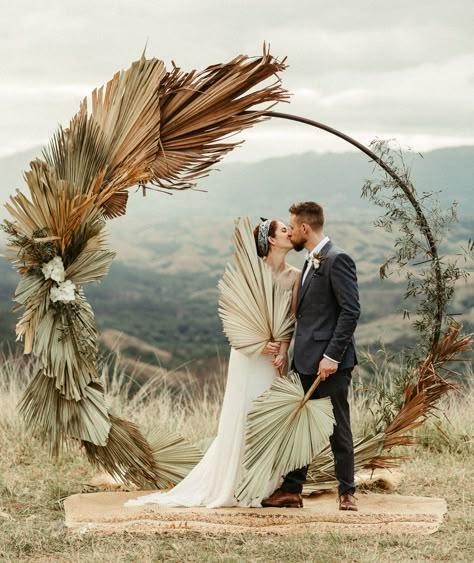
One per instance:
(282, 499)
(347, 502)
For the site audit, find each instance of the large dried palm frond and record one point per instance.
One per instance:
(127, 110)
(284, 430)
(47, 411)
(57, 209)
(80, 153)
(145, 125)
(32, 293)
(127, 455)
(93, 262)
(175, 457)
(199, 110)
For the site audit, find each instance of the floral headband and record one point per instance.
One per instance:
(262, 240)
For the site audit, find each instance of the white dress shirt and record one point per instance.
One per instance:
(309, 255)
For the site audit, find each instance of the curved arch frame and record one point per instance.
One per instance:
(407, 190)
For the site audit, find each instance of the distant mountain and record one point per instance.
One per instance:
(12, 168)
(268, 187)
(171, 250)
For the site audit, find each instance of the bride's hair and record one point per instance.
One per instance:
(271, 233)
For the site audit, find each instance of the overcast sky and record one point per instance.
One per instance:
(401, 69)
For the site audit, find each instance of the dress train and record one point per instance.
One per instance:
(212, 483)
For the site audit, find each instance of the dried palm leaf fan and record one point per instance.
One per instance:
(253, 308)
(284, 431)
(146, 125)
(175, 456)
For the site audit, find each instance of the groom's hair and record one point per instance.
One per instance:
(309, 212)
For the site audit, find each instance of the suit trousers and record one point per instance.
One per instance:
(335, 386)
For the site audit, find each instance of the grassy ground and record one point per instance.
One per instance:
(32, 488)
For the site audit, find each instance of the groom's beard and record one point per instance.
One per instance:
(298, 246)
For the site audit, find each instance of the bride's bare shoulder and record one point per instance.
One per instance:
(293, 270)
(294, 273)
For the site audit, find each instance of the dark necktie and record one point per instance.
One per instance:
(305, 268)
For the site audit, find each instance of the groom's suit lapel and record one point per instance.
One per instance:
(303, 288)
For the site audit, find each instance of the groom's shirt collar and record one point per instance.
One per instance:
(317, 248)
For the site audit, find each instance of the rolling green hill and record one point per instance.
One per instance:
(171, 250)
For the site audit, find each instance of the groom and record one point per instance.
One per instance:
(327, 313)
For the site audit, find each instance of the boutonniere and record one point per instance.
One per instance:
(316, 260)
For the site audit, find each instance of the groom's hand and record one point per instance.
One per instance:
(326, 368)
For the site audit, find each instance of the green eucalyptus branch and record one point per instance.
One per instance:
(420, 224)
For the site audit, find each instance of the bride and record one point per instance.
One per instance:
(213, 481)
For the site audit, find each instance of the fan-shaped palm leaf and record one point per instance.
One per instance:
(174, 455)
(127, 455)
(200, 109)
(45, 409)
(284, 431)
(253, 308)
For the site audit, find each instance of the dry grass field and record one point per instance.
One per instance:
(32, 487)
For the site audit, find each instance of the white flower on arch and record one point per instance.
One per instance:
(65, 291)
(54, 269)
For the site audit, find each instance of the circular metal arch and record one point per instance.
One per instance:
(409, 193)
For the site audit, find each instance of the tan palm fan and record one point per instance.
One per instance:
(175, 456)
(285, 430)
(146, 125)
(253, 308)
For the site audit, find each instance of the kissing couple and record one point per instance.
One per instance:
(324, 300)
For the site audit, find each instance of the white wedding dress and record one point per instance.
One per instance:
(212, 483)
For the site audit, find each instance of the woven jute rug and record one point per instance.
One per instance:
(105, 513)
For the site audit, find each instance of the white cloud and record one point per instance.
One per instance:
(365, 67)
(270, 140)
(350, 96)
(19, 91)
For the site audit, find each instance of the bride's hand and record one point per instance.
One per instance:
(272, 348)
(279, 361)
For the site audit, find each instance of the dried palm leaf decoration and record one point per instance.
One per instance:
(429, 382)
(253, 308)
(145, 126)
(284, 431)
